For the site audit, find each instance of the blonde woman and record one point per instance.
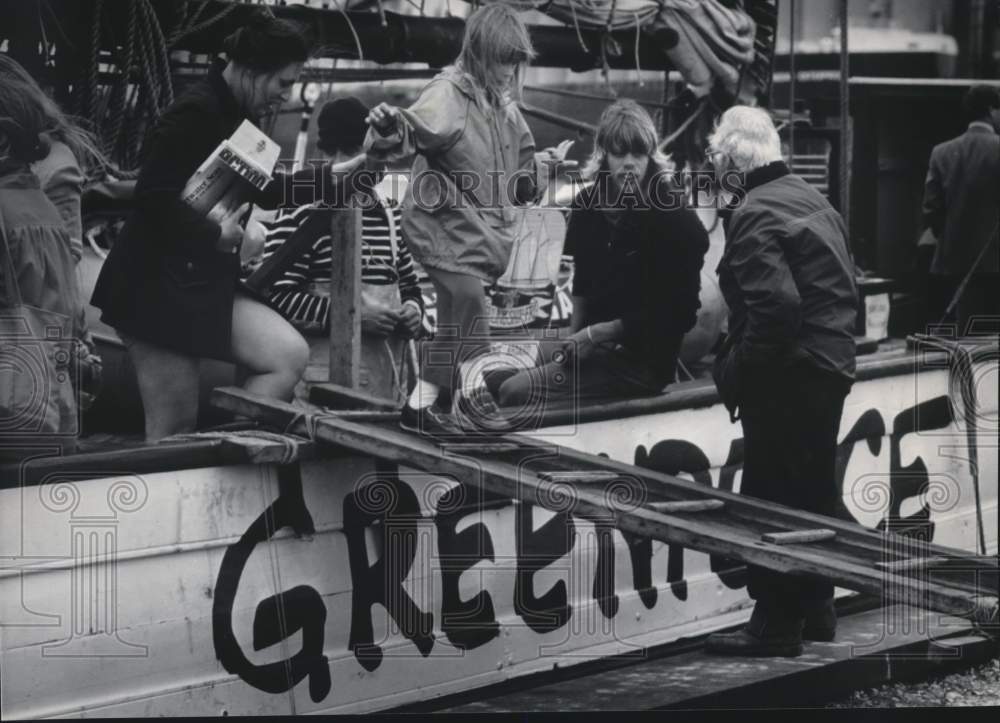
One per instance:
(638, 252)
(475, 161)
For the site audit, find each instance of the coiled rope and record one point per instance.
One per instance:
(143, 88)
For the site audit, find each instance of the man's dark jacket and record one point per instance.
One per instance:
(962, 201)
(788, 280)
(645, 269)
(164, 282)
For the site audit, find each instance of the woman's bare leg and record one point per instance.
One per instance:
(168, 383)
(269, 347)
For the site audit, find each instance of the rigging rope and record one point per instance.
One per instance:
(143, 88)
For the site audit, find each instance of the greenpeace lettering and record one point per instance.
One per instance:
(391, 503)
(537, 550)
(277, 617)
(402, 524)
(471, 623)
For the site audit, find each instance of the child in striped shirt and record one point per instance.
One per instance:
(392, 303)
(300, 292)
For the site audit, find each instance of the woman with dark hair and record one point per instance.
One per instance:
(39, 301)
(170, 284)
(475, 160)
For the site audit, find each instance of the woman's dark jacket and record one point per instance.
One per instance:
(644, 269)
(164, 282)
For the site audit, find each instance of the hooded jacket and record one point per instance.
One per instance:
(474, 163)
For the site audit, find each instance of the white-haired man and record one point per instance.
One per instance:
(788, 360)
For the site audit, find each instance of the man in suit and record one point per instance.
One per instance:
(962, 209)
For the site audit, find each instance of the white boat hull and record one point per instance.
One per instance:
(188, 593)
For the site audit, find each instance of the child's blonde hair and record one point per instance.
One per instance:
(495, 35)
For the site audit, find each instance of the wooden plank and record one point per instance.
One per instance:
(913, 563)
(361, 415)
(688, 506)
(345, 297)
(482, 447)
(796, 537)
(853, 541)
(710, 535)
(583, 476)
(339, 397)
(754, 510)
(269, 451)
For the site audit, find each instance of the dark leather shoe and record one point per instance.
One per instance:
(477, 412)
(430, 420)
(821, 622)
(766, 635)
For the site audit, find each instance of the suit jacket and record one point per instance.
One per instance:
(164, 282)
(962, 201)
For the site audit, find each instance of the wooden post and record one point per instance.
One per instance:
(345, 297)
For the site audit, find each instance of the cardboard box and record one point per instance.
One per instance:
(240, 166)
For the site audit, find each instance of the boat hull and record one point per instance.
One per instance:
(346, 584)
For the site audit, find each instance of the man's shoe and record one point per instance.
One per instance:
(431, 420)
(821, 622)
(766, 635)
(477, 412)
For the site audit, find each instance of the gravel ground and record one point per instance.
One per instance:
(977, 686)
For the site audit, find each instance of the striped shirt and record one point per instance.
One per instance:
(292, 294)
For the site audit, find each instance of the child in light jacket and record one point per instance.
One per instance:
(475, 161)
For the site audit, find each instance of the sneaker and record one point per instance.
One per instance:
(766, 636)
(430, 420)
(478, 412)
(821, 622)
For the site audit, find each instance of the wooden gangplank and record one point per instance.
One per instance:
(666, 508)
